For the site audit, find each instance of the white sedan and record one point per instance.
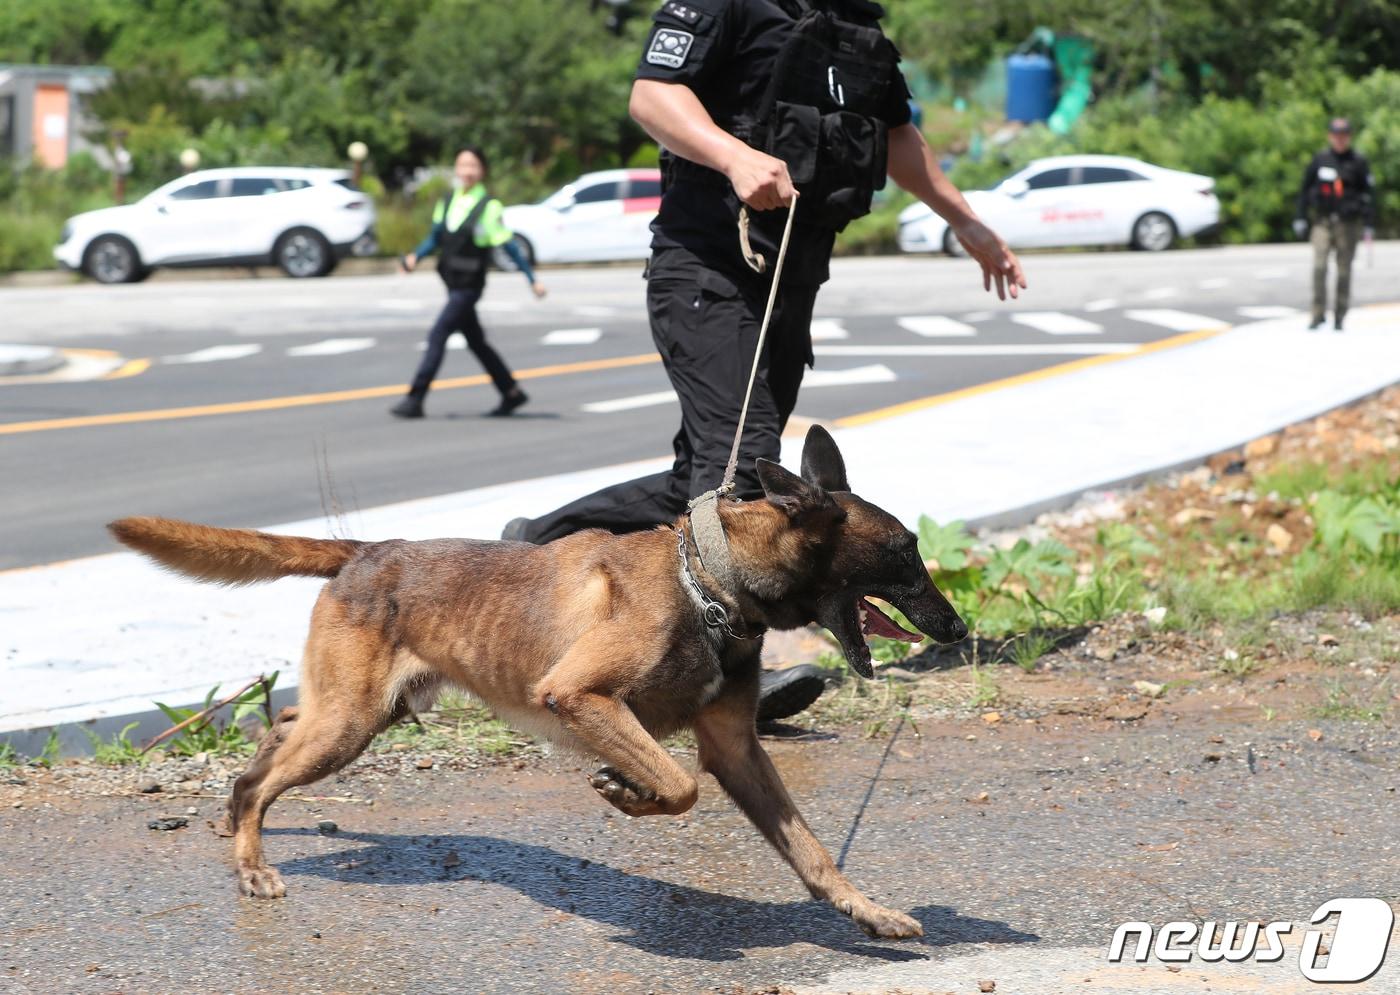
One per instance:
(1079, 200)
(598, 217)
(302, 219)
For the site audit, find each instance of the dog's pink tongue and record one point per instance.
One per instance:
(877, 623)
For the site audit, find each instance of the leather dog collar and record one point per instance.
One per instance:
(712, 550)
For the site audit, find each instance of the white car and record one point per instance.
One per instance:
(598, 217)
(1079, 200)
(302, 219)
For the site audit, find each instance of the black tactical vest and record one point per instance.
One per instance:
(821, 114)
(461, 262)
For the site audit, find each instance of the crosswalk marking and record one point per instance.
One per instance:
(875, 373)
(1177, 321)
(1043, 349)
(1263, 312)
(932, 326)
(215, 353)
(1160, 293)
(825, 329)
(1056, 323)
(1104, 304)
(1214, 283)
(628, 403)
(573, 336)
(331, 347)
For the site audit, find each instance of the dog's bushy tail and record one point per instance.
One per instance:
(232, 556)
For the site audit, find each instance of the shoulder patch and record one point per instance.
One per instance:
(682, 12)
(669, 47)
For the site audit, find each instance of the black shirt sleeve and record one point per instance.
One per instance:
(688, 41)
(897, 111)
(1305, 193)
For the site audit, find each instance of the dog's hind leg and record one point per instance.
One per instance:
(342, 708)
(730, 750)
(584, 691)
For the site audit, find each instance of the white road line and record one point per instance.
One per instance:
(572, 336)
(215, 353)
(875, 373)
(934, 326)
(1057, 323)
(628, 403)
(1177, 321)
(1263, 312)
(1160, 293)
(1045, 349)
(825, 329)
(1214, 283)
(1103, 304)
(331, 347)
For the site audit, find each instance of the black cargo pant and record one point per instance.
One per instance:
(459, 315)
(705, 325)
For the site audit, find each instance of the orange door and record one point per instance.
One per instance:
(51, 125)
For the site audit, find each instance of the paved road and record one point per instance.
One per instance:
(305, 371)
(1019, 849)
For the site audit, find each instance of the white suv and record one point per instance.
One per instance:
(304, 220)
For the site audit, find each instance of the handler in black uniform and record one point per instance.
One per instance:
(753, 99)
(1339, 195)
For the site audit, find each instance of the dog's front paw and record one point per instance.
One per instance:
(622, 794)
(878, 921)
(260, 882)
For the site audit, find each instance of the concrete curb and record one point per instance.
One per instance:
(28, 360)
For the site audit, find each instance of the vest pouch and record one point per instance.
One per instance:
(795, 135)
(462, 271)
(851, 166)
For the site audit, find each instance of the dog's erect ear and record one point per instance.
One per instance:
(789, 491)
(821, 461)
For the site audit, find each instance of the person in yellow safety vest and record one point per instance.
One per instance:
(467, 225)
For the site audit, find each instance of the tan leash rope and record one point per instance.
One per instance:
(759, 264)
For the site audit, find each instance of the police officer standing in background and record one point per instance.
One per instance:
(1338, 194)
(753, 99)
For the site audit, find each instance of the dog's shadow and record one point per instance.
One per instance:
(658, 917)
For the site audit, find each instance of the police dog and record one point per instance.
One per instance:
(597, 642)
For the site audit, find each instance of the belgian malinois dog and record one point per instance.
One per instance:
(597, 642)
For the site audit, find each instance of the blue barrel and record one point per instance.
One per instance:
(1030, 87)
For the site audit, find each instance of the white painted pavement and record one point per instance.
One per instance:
(1177, 321)
(826, 329)
(1056, 323)
(1004, 349)
(216, 353)
(875, 373)
(107, 635)
(331, 347)
(933, 326)
(572, 336)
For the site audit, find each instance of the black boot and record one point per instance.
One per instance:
(410, 407)
(509, 402)
(786, 692)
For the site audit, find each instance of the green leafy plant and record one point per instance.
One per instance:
(9, 756)
(117, 751)
(208, 734)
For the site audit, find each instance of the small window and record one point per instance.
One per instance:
(644, 188)
(254, 186)
(1108, 174)
(1049, 178)
(598, 192)
(203, 190)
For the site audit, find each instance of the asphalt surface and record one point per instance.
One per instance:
(274, 349)
(1019, 849)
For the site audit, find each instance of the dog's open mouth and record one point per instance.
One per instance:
(874, 622)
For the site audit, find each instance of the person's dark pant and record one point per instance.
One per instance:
(705, 324)
(459, 315)
(1340, 236)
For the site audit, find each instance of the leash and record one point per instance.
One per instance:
(758, 264)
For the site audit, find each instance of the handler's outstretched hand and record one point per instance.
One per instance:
(538, 289)
(999, 264)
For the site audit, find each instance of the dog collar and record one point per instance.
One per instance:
(714, 613)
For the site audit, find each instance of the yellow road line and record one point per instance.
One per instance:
(894, 410)
(305, 400)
